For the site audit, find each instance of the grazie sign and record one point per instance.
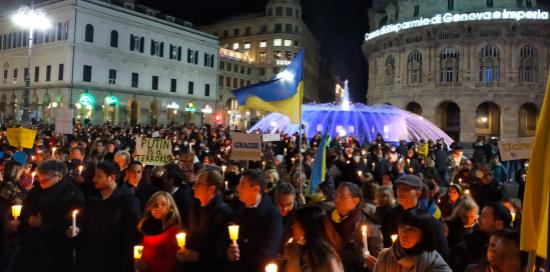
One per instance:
(448, 18)
(515, 148)
(246, 146)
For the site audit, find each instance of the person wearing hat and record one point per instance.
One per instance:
(409, 190)
(448, 201)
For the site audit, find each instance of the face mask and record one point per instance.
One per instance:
(159, 174)
(479, 174)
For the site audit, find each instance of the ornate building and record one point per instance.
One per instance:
(474, 68)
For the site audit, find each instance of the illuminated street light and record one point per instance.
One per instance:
(30, 19)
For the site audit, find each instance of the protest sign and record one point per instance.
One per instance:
(246, 146)
(21, 137)
(273, 137)
(153, 151)
(63, 121)
(515, 148)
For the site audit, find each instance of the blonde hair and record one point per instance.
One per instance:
(465, 204)
(273, 173)
(171, 218)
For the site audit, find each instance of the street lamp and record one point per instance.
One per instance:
(29, 19)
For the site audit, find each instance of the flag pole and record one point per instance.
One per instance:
(531, 261)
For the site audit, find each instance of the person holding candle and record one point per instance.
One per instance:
(159, 225)
(45, 216)
(108, 224)
(449, 201)
(414, 248)
(207, 232)
(315, 244)
(348, 218)
(260, 225)
(460, 224)
(10, 195)
(81, 171)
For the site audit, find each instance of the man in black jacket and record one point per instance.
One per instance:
(260, 230)
(181, 192)
(141, 189)
(45, 216)
(205, 248)
(109, 224)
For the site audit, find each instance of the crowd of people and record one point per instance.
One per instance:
(383, 206)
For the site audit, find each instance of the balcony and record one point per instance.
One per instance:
(490, 84)
(449, 84)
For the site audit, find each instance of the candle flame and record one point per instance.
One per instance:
(364, 229)
(271, 268)
(75, 212)
(393, 238)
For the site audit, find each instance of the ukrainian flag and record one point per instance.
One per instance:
(534, 225)
(319, 168)
(282, 94)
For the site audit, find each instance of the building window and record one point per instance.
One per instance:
(261, 72)
(277, 42)
(235, 46)
(450, 4)
(155, 83)
(449, 65)
(288, 43)
(135, 80)
(114, 38)
(175, 52)
(236, 32)
(190, 87)
(262, 57)
(495, 33)
(489, 64)
(277, 55)
(248, 71)
(279, 11)
(416, 10)
(229, 67)
(226, 33)
(414, 67)
(173, 85)
(390, 70)
(243, 70)
(137, 43)
(48, 72)
(269, 12)
(15, 75)
(247, 30)
(157, 48)
(489, 3)
(288, 28)
(87, 73)
(89, 33)
(36, 73)
(529, 3)
(208, 60)
(263, 29)
(60, 71)
(222, 65)
(235, 83)
(278, 28)
(192, 56)
(528, 64)
(263, 44)
(220, 81)
(235, 68)
(228, 82)
(288, 12)
(246, 45)
(112, 76)
(5, 76)
(241, 83)
(207, 90)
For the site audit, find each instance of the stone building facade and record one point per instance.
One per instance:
(474, 68)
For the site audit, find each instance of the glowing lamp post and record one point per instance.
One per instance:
(29, 19)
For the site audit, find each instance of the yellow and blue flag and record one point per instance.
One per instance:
(534, 223)
(282, 94)
(319, 169)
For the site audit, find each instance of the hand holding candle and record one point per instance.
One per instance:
(75, 212)
(80, 169)
(16, 211)
(365, 243)
(180, 237)
(234, 233)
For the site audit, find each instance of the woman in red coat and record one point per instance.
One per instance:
(159, 225)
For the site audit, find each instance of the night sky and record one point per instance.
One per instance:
(339, 26)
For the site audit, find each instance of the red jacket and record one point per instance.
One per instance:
(159, 251)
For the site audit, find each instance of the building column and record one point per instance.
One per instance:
(467, 121)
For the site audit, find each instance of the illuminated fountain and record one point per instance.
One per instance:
(356, 119)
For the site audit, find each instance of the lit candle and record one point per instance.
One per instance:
(365, 161)
(513, 216)
(411, 170)
(408, 161)
(224, 167)
(180, 237)
(365, 244)
(359, 173)
(467, 192)
(263, 164)
(80, 169)
(53, 151)
(293, 160)
(75, 212)
(138, 250)
(271, 267)
(33, 157)
(226, 185)
(234, 233)
(284, 151)
(393, 238)
(460, 180)
(16, 211)
(32, 177)
(347, 162)
(373, 166)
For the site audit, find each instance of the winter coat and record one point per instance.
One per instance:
(424, 262)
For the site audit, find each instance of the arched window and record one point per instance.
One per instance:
(390, 70)
(114, 38)
(414, 67)
(89, 33)
(528, 64)
(489, 64)
(449, 65)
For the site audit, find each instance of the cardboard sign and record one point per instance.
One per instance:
(21, 137)
(63, 121)
(246, 146)
(515, 148)
(273, 137)
(153, 151)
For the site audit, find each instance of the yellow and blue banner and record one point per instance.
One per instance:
(534, 223)
(282, 94)
(319, 169)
